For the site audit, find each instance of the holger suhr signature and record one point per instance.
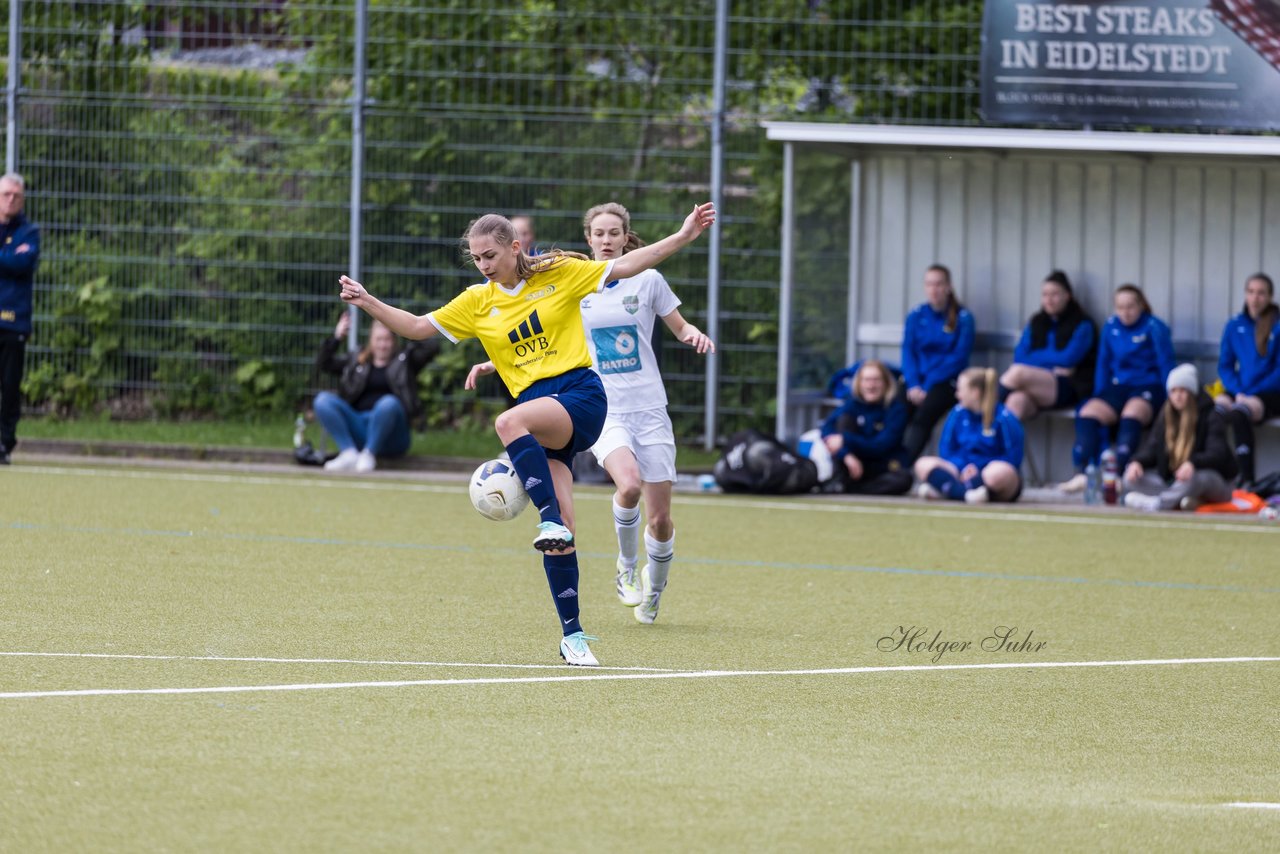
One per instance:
(919, 639)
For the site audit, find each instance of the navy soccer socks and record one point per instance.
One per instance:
(562, 577)
(1127, 438)
(1088, 442)
(530, 462)
(946, 483)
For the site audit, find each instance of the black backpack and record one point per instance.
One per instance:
(1267, 485)
(755, 462)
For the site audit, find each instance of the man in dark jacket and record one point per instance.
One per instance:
(19, 254)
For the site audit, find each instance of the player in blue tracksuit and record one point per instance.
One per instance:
(1054, 361)
(980, 452)
(937, 341)
(19, 255)
(1135, 355)
(864, 435)
(1249, 367)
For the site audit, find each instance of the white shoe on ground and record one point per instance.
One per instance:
(344, 461)
(574, 650)
(628, 589)
(1076, 483)
(1145, 503)
(928, 491)
(977, 495)
(366, 462)
(647, 611)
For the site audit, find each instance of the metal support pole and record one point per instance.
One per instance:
(855, 261)
(11, 87)
(711, 399)
(357, 164)
(784, 292)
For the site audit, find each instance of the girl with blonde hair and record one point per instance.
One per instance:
(980, 452)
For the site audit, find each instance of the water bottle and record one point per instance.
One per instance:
(299, 431)
(1092, 484)
(1110, 477)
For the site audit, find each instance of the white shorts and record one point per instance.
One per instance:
(648, 434)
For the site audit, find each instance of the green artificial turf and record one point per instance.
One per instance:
(706, 731)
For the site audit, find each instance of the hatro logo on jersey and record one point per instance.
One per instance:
(528, 336)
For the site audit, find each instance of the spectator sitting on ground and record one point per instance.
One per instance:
(1249, 367)
(865, 434)
(1054, 361)
(980, 452)
(1135, 355)
(936, 343)
(377, 398)
(1186, 459)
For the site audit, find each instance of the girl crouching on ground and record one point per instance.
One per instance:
(980, 452)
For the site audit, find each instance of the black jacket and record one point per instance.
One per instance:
(402, 371)
(1211, 450)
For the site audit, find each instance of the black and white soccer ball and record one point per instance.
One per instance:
(496, 491)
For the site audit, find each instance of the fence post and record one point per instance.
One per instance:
(11, 89)
(710, 399)
(355, 231)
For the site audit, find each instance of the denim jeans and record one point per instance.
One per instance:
(383, 430)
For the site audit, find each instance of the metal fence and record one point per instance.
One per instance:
(190, 165)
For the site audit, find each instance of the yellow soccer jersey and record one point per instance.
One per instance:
(533, 331)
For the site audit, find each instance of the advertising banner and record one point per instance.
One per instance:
(1187, 63)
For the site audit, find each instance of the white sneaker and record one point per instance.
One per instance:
(574, 650)
(628, 590)
(1075, 484)
(366, 462)
(928, 492)
(344, 461)
(1145, 503)
(552, 536)
(647, 611)
(977, 495)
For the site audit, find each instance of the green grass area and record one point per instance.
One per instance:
(367, 664)
(278, 433)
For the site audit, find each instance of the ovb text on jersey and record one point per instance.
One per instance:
(529, 341)
(617, 349)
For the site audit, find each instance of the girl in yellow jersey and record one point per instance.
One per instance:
(526, 315)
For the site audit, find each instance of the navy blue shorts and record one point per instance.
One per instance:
(1116, 396)
(582, 395)
(1067, 396)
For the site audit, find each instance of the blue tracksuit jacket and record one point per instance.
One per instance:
(930, 354)
(1138, 355)
(1240, 367)
(17, 271)
(963, 440)
(873, 431)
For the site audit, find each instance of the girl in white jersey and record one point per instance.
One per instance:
(637, 446)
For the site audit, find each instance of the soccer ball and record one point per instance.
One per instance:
(496, 491)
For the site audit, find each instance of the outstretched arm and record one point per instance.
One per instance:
(399, 321)
(639, 260)
(687, 333)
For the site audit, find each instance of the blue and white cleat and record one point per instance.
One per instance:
(552, 537)
(628, 588)
(574, 650)
(647, 611)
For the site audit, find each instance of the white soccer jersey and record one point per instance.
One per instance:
(619, 321)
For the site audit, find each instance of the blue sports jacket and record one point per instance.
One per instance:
(964, 441)
(17, 271)
(876, 432)
(1240, 367)
(1138, 355)
(930, 354)
(1049, 356)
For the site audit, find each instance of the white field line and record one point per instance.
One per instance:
(1254, 806)
(805, 505)
(614, 677)
(359, 661)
